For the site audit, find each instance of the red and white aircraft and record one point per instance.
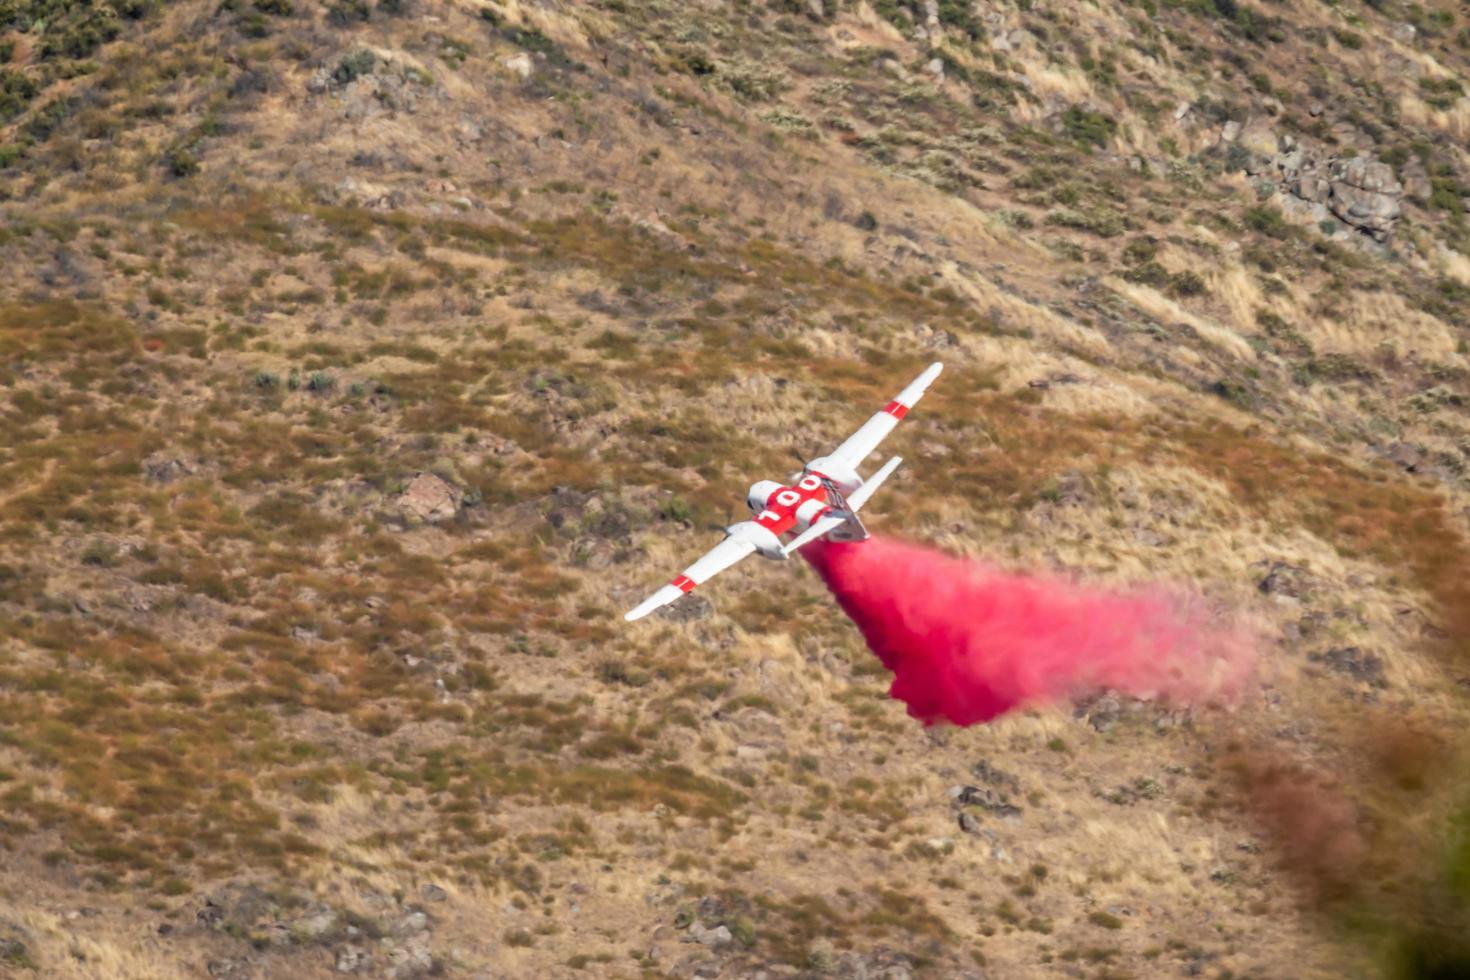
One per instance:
(824, 499)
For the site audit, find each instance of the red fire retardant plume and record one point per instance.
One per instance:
(967, 642)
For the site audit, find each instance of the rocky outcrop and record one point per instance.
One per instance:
(1359, 191)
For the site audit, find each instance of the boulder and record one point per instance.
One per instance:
(354, 959)
(713, 938)
(1259, 138)
(521, 64)
(1311, 188)
(411, 924)
(1365, 194)
(429, 498)
(320, 924)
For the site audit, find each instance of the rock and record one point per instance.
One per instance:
(409, 960)
(411, 924)
(968, 823)
(320, 924)
(881, 963)
(816, 10)
(1149, 538)
(1315, 109)
(1365, 667)
(1366, 195)
(689, 609)
(1103, 713)
(354, 959)
(228, 969)
(429, 498)
(211, 914)
(1230, 132)
(1259, 138)
(1181, 110)
(1311, 188)
(992, 776)
(935, 67)
(1404, 32)
(1287, 580)
(433, 893)
(713, 938)
(987, 799)
(162, 468)
(521, 64)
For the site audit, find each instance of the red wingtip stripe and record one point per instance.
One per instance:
(897, 409)
(684, 583)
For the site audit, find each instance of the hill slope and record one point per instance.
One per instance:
(362, 363)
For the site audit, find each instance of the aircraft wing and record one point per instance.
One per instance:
(716, 560)
(866, 439)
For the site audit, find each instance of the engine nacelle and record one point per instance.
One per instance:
(760, 495)
(838, 472)
(768, 544)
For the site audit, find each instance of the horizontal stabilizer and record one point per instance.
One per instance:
(855, 502)
(860, 496)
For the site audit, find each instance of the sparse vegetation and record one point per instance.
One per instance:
(359, 360)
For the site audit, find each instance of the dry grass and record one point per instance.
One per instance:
(230, 655)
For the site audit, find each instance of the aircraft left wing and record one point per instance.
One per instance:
(716, 560)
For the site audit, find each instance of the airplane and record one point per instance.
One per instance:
(823, 499)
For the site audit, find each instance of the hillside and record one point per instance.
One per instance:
(361, 363)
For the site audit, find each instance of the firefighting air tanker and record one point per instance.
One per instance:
(824, 499)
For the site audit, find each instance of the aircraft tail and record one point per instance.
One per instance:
(843, 523)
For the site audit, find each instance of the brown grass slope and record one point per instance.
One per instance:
(595, 267)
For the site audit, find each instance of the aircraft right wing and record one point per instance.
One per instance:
(862, 442)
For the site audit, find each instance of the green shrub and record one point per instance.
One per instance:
(345, 13)
(1267, 221)
(180, 160)
(1186, 283)
(1148, 273)
(1088, 126)
(1140, 250)
(354, 66)
(16, 91)
(1101, 221)
(49, 118)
